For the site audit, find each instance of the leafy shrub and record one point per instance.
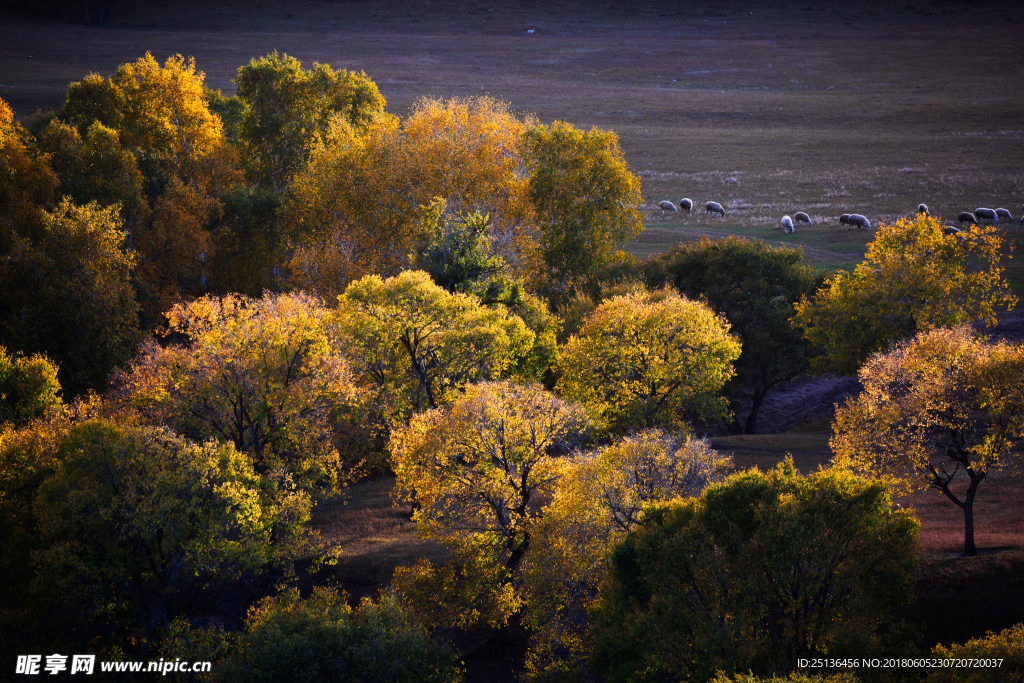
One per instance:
(1007, 645)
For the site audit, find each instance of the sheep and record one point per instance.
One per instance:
(1004, 215)
(686, 204)
(967, 217)
(859, 221)
(787, 225)
(844, 219)
(985, 215)
(668, 206)
(714, 207)
(800, 216)
(950, 230)
(923, 208)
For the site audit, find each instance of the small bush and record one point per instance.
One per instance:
(1007, 645)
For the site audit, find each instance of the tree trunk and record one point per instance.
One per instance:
(759, 394)
(969, 549)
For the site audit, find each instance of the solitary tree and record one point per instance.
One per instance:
(649, 360)
(940, 407)
(913, 278)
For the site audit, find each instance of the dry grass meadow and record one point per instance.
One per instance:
(766, 107)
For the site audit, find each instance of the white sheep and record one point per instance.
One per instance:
(787, 224)
(714, 207)
(844, 219)
(668, 206)
(923, 208)
(686, 204)
(967, 217)
(985, 215)
(1004, 215)
(801, 217)
(950, 230)
(859, 221)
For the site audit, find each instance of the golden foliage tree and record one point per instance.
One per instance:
(586, 202)
(27, 183)
(913, 278)
(647, 359)
(417, 346)
(28, 388)
(479, 471)
(597, 501)
(936, 410)
(360, 205)
(261, 374)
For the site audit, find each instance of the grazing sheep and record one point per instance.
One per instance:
(923, 208)
(950, 230)
(844, 219)
(967, 217)
(686, 204)
(714, 207)
(859, 221)
(787, 224)
(1004, 215)
(668, 206)
(985, 215)
(800, 216)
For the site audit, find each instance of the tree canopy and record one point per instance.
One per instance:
(649, 359)
(940, 406)
(754, 285)
(756, 572)
(913, 278)
(478, 470)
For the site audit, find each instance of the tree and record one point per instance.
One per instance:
(599, 498)
(95, 167)
(934, 409)
(479, 469)
(418, 346)
(290, 639)
(286, 108)
(361, 204)
(648, 359)
(754, 285)
(261, 374)
(133, 519)
(27, 183)
(1007, 647)
(28, 388)
(756, 572)
(68, 294)
(160, 114)
(913, 278)
(586, 201)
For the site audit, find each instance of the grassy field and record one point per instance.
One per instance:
(766, 107)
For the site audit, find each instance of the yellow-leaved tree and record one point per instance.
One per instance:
(479, 471)
(914, 278)
(941, 411)
(649, 359)
(597, 501)
(262, 374)
(360, 204)
(417, 345)
(586, 201)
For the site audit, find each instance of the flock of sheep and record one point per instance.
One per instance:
(855, 220)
